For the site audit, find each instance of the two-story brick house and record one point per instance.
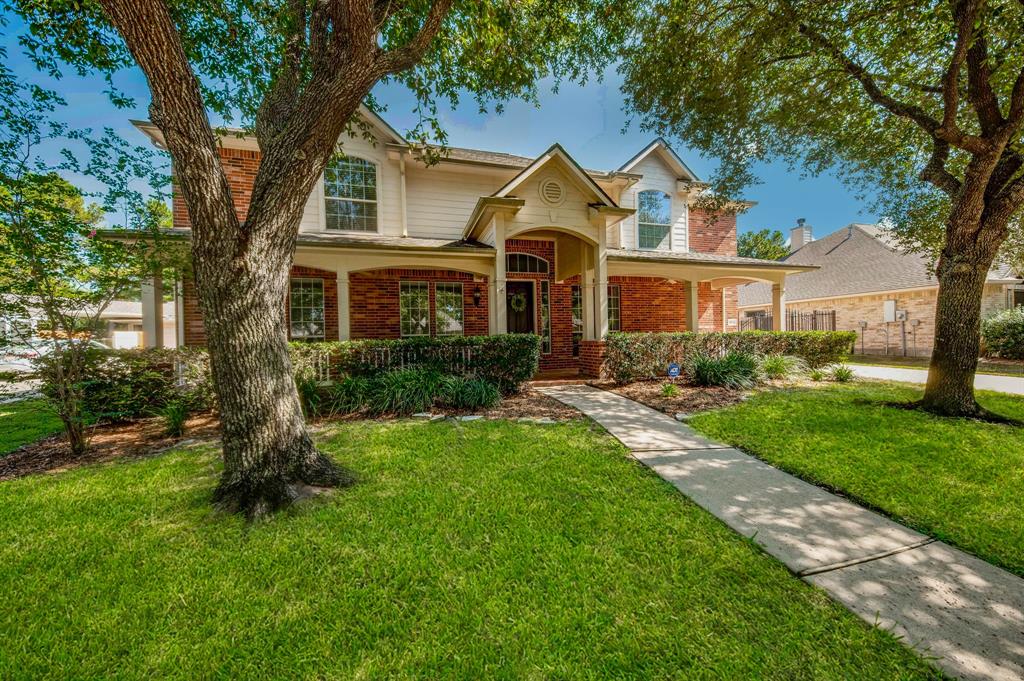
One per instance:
(486, 242)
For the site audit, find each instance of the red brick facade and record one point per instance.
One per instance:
(592, 358)
(373, 301)
(195, 334)
(240, 166)
(712, 232)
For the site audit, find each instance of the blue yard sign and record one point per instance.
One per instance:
(673, 370)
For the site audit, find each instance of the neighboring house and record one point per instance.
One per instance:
(123, 326)
(884, 294)
(485, 242)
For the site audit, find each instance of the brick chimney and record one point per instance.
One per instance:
(800, 235)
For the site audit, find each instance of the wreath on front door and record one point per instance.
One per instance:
(517, 301)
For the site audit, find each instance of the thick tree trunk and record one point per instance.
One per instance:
(269, 456)
(950, 387)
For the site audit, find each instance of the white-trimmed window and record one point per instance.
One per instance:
(448, 308)
(525, 263)
(350, 195)
(414, 308)
(614, 308)
(653, 220)
(306, 309)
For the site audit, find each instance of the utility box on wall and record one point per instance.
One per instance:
(889, 311)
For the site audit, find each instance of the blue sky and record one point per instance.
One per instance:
(587, 120)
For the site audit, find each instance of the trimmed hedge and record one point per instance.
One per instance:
(507, 361)
(1003, 334)
(638, 356)
(121, 385)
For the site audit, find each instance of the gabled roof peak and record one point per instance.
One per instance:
(556, 151)
(667, 154)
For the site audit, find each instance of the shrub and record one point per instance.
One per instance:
(638, 356)
(1004, 334)
(669, 390)
(781, 366)
(347, 395)
(507, 360)
(841, 373)
(734, 369)
(817, 374)
(174, 415)
(464, 392)
(405, 391)
(121, 385)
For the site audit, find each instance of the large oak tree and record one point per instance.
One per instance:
(295, 71)
(921, 100)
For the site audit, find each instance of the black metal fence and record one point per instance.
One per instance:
(818, 320)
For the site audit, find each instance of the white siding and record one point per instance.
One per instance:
(441, 199)
(656, 175)
(573, 210)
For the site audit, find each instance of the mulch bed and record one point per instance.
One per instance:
(688, 399)
(115, 441)
(143, 438)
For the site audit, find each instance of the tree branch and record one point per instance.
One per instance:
(936, 173)
(911, 112)
(279, 101)
(179, 111)
(405, 57)
(979, 87)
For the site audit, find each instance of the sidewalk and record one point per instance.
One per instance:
(942, 602)
(1000, 384)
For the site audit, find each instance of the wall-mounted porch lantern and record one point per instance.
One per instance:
(477, 295)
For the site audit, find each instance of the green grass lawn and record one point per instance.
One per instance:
(959, 480)
(467, 550)
(23, 422)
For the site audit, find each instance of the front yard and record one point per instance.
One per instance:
(959, 480)
(23, 422)
(467, 549)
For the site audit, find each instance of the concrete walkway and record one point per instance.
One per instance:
(1000, 384)
(939, 600)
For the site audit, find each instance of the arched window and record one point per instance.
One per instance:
(653, 220)
(525, 262)
(350, 195)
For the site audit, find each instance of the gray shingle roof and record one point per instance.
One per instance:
(343, 240)
(855, 259)
(698, 258)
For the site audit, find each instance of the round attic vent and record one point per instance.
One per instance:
(552, 192)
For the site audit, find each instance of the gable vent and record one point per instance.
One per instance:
(552, 192)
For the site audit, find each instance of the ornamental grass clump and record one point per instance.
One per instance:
(735, 370)
(403, 392)
(468, 392)
(777, 367)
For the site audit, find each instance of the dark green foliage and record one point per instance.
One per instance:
(467, 392)
(1004, 334)
(507, 360)
(639, 356)
(121, 385)
(346, 396)
(174, 415)
(311, 397)
(734, 369)
(766, 244)
(403, 392)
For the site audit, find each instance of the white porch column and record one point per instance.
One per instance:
(601, 282)
(587, 290)
(344, 319)
(496, 288)
(690, 289)
(153, 312)
(779, 307)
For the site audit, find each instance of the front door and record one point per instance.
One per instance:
(519, 306)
